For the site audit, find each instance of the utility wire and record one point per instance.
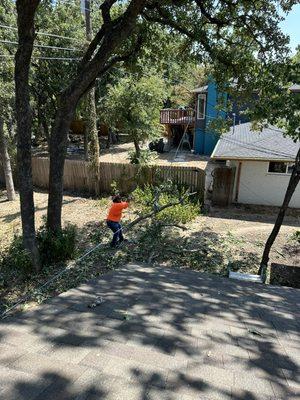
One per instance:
(42, 46)
(40, 33)
(45, 58)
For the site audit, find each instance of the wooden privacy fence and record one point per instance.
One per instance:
(78, 175)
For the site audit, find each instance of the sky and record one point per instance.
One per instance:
(291, 26)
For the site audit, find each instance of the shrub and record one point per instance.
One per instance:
(296, 236)
(16, 257)
(56, 247)
(146, 156)
(53, 249)
(181, 213)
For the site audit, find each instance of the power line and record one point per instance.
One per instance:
(42, 46)
(40, 33)
(44, 58)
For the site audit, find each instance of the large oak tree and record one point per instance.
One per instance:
(222, 31)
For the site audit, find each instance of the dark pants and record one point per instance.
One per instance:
(117, 230)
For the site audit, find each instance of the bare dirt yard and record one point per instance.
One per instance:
(119, 153)
(208, 244)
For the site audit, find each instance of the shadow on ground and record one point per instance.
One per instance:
(255, 213)
(157, 333)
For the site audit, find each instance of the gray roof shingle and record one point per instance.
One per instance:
(244, 143)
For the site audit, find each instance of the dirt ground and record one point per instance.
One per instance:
(210, 243)
(118, 153)
(244, 230)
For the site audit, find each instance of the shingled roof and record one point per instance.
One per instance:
(244, 143)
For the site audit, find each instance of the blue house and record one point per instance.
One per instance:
(206, 110)
(192, 125)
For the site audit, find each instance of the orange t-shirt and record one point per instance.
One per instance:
(115, 211)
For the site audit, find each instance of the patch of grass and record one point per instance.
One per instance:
(295, 237)
(103, 202)
(232, 239)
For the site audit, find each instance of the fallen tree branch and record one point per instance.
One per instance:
(184, 251)
(174, 225)
(158, 210)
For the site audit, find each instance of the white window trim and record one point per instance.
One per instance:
(280, 173)
(202, 97)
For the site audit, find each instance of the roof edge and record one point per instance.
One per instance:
(252, 159)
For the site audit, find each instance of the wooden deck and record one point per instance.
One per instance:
(174, 116)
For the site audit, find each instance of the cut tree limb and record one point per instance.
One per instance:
(174, 225)
(158, 210)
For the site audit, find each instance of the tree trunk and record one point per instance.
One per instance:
(294, 180)
(92, 133)
(137, 148)
(58, 147)
(25, 18)
(6, 164)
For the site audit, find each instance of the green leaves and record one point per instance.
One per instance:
(134, 103)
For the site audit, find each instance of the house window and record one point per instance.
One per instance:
(277, 167)
(201, 106)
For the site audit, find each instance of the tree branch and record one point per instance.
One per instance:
(210, 18)
(158, 210)
(105, 9)
(166, 20)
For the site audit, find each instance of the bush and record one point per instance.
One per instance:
(296, 236)
(146, 156)
(53, 249)
(181, 213)
(16, 257)
(56, 247)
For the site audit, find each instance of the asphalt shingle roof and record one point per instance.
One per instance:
(244, 143)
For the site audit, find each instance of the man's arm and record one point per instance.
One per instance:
(125, 204)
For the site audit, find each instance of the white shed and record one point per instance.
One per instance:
(263, 160)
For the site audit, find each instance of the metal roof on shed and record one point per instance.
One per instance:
(243, 143)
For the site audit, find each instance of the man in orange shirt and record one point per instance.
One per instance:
(114, 218)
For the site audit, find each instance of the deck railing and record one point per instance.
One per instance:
(176, 116)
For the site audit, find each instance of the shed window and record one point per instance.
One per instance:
(277, 167)
(201, 106)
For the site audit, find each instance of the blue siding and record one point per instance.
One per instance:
(205, 139)
(199, 141)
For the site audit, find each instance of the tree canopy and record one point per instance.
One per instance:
(240, 42)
